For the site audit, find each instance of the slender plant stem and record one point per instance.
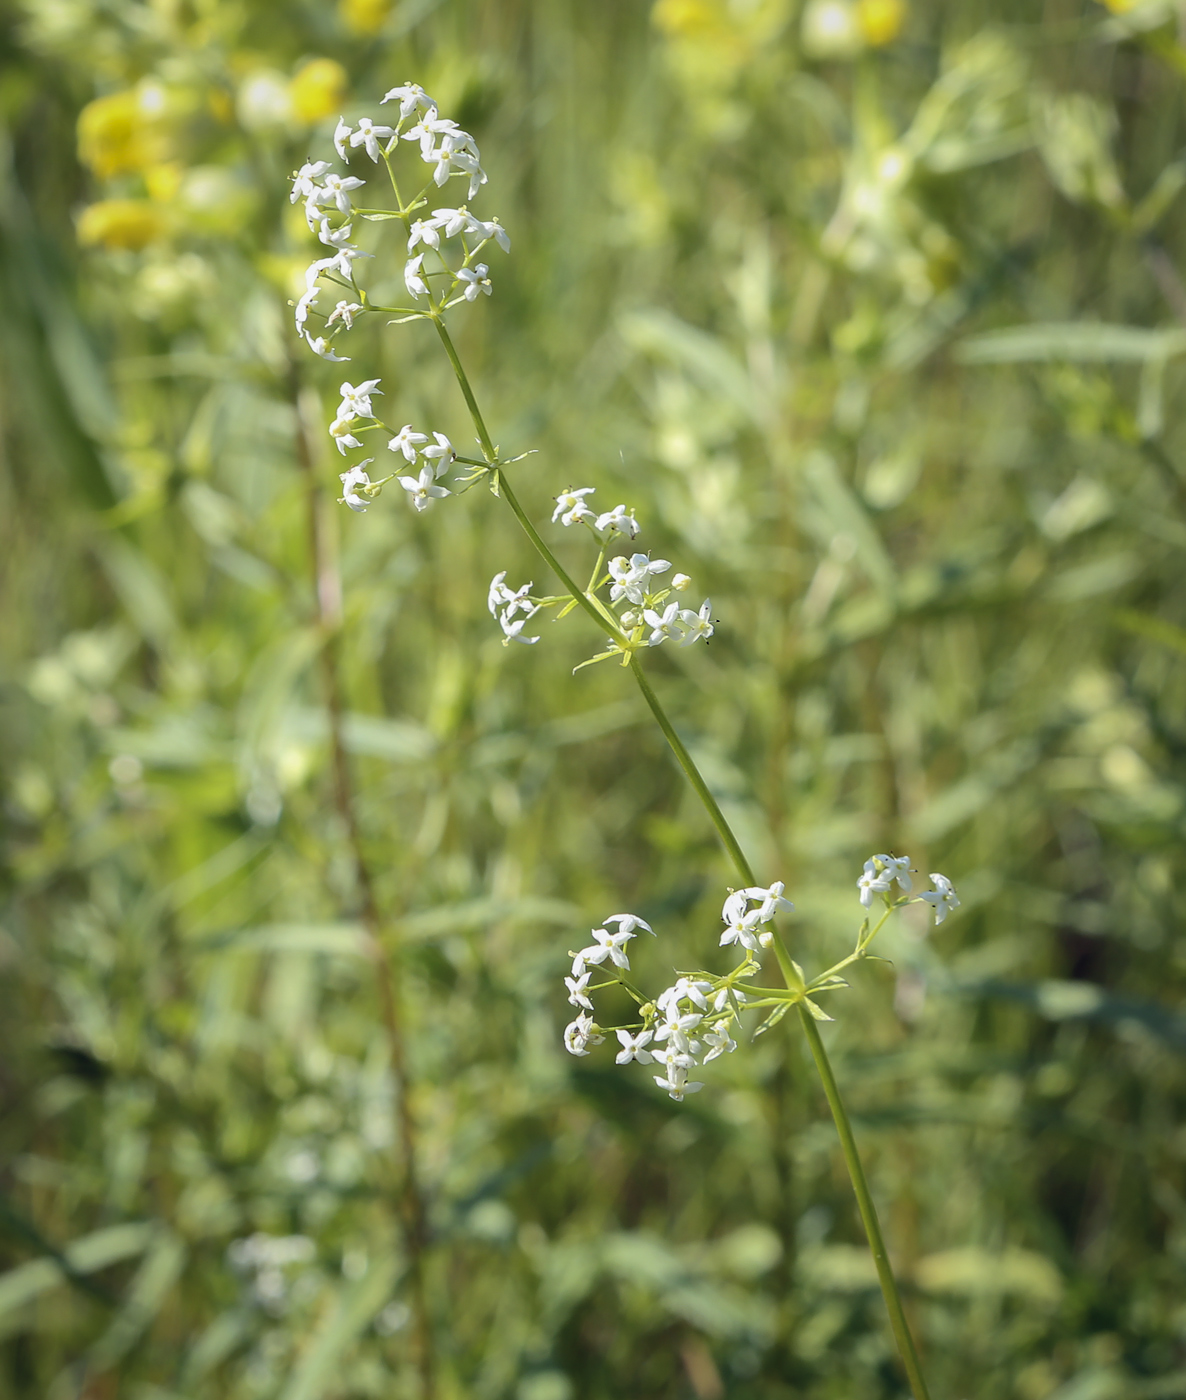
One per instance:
(852, 1160)
(868, 1212)
(327, 592)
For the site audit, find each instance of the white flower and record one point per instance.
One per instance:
(684, 989)
(571, 508)
(491, 229)
(345, 311)
(301, 314)
(696, 624)
(341, 137)
(632, 575)
(343, 261)
(675, 1030)
(356, 402)
(476, 280)
(411, 98)
(576, 990)
(368, 135)
(628, 923)
(743, 930)
(719, 1041)
(451, 222)
(336, 190)
(771, 900)
(880, 873)
(513, 631)
(406, 441)
(338, 238)
(605, 945)
(320, 346)
(304, 182)
(668, 625)
(677, 1084)
(443, 450)
(499, 592)
(580, 1034)
(425, 232)
(617, 519)
(341, 432)
(423, 489)
(942, 899)
(632, 1048)
(414, 282)
(356, 476)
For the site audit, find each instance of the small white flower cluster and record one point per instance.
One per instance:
(571, 509)
(879, 875)
(687, 1024)
(357, 407)
(511, 601)
(329, 212)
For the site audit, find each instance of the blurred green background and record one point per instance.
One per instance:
(875, 313)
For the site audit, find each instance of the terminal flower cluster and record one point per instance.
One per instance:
(327, 199)
(882, 871)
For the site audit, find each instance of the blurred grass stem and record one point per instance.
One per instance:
(327, 592)
(794, 981)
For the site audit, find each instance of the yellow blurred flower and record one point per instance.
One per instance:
(881, 21)
(687, 19)
(111, 134)
(121, 223)
(1121, 7)
(163, 181)
(364, 16)
(318, 89)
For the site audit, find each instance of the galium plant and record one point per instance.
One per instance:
(633, 599)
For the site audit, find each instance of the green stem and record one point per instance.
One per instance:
(684, 759)
(606, 623)
(852, 1160)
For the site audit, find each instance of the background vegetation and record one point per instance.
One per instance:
(876, 315)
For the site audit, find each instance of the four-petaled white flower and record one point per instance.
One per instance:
(942, 899)
(411, 98)
(676, 1083)
(719, 1041)
(301, 313)
(696, 624)
(442, 450)
(320, 346)
(513, 631)
(451, 222)
(414, 282)
(570, 506)
(491, 228)
(576, 990)
(879, 874)
(426, 232)
(605, 945)
(304, 182)
(345, 311)
(342, 138)
(476, 280)
(771, 899)
(743, 929)
(668, 625)
(633, 1047)
(369, 135)
(630, 923)
(336, 190)
(356, 401)
(341, 432)
(423, 489)
(356, 476)
(406, 441)
(619, 519)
